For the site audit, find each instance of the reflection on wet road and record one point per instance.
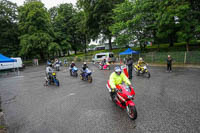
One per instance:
(167, 102)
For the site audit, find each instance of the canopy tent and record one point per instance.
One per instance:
(129, 51)
(4, 59)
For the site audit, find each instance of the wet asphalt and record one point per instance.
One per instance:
(166, 103)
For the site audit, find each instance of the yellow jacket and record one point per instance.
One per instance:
(141, 63)
(118, 79)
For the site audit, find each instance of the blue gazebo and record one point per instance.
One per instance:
(129, 52)
(4, 59)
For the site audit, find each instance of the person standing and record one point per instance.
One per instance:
(130, 67)
(169, 63)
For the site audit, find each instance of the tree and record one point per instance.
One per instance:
(9, 43)
(69, 27)
(35, 28)
(188, 20)
(135, 21)
(99, 17)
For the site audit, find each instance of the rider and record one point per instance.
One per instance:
(49, 71)
(65, 62)
(140, 64)
(103, 62)
(84, 66)
(71, 66)
(48, 62)
(117, 78)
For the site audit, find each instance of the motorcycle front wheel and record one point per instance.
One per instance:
(81, 77)
(89, 79)
(132, 112)
(57, 82)
(147, 74)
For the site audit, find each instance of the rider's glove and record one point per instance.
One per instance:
(113, 90)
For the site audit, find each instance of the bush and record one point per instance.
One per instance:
(69, 59)
(79, 59)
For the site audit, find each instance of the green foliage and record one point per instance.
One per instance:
(9, 43)
(68, 27)
(156, 21)
(98, 15)
(35, 28)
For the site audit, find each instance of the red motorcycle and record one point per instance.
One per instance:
(124, 99)
(104, 67)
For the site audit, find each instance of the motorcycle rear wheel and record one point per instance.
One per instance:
(100, 67)
(132, 112)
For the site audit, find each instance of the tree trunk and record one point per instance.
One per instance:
(110, 43)
(42, 56)
(75, 51)
(187, 46)
(68, 53)
(85, 41)
(171, 41)
(158, 47)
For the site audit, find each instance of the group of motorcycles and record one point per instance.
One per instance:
(85, 75)
(124, 94)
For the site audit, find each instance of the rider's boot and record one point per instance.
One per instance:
(113, 96)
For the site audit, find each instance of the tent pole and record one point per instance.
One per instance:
(119, 59)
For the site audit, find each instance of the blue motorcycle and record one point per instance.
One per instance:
(51, 79)
(74, 71)
(86, 75)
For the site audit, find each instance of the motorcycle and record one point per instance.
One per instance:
(142, 71)
(52, 79)
(86, 75)
(104, 67)
(74, 71)
(57, 67)
(124, 99)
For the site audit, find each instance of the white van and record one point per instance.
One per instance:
(109, 56)
(11, 65)
(18, 63)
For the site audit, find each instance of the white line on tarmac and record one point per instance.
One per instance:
(71, 94)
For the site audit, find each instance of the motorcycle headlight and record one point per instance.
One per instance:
(130, 97)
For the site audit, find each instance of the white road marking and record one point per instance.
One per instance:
(71, 94)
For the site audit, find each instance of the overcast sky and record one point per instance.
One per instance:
(48, 3)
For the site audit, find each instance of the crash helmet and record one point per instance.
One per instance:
(49, 64)
(140, 59)
(72, 61)
(118, 70)
(84, 63)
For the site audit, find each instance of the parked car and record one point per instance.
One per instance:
(109, 56)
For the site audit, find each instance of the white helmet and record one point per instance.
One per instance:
(118, 70)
